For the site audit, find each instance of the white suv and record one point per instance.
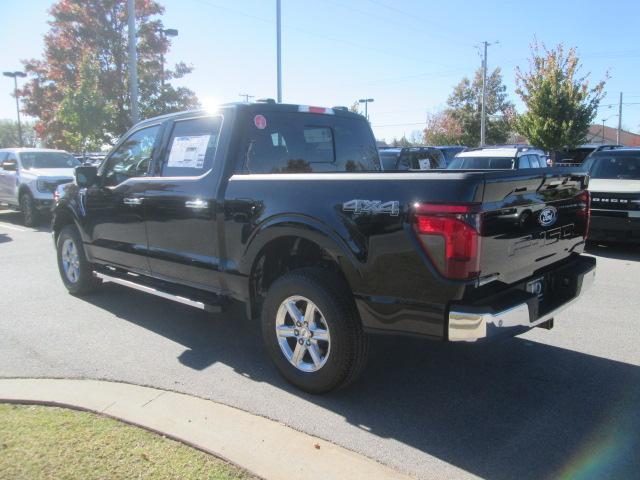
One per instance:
(504, 157)
(29, 176)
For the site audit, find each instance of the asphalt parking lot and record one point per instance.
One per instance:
(549, 404)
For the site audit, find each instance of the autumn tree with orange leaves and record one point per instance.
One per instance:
(97, 29)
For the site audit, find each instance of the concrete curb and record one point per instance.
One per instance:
(265, 448)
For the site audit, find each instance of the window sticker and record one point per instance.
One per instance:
(425, 164)
(260, 122)
(188, 152)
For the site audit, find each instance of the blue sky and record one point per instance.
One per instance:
(406, 54)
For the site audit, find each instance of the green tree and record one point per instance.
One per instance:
(560, 103)
(98, 28)
(9, 134)
(84, 112)
(465, 106)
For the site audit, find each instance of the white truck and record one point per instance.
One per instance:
(30, 176)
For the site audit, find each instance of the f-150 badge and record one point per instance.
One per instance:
(372, 207)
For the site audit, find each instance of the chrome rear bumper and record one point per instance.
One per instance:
(467, 325)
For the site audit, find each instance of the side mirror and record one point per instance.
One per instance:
(86, 175)
(9, 166)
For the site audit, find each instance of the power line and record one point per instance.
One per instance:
(413, 16)
(320, 35)
(404, 27)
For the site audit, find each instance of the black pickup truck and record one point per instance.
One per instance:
(284, 207)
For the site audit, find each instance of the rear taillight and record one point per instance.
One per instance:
(450, 237)
(584, 206)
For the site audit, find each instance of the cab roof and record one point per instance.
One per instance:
(260, 106)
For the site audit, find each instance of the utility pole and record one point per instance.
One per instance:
(15, 76)
(133, 61)
(279, 48)
(619, 120)
(366, 102)
(603, 131)
(483, 120)
(246, 97)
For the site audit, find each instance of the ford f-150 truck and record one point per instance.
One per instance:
(29, 176)
(284, 208)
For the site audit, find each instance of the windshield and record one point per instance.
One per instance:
(482, 163)
(622, 167)
(47, 160)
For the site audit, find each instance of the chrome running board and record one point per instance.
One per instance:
(159, 293)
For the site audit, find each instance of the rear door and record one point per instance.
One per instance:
(531, 221)
(181, 206)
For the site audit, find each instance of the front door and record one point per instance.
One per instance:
(114, 209)
(8, 177)
(180, 206)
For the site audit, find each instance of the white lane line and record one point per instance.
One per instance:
(11, 227)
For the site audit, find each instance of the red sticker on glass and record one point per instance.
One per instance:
(260, 122)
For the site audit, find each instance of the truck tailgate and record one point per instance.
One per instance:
(531, 220)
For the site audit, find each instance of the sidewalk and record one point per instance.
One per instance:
(264, 447)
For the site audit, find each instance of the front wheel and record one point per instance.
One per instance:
(75, 270)
(29, 211)
(313, 332)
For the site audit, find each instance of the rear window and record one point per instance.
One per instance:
(619, 167)
(388, 160)
(481, 163)
(306, 143)
(421, 160)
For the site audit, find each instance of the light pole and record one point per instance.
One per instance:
(15, 76)
(133, 61)
(164, 33)
(279, 49)
(366, 102)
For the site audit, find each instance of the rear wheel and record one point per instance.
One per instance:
(75, 270)
(29, 211)
(313, 332)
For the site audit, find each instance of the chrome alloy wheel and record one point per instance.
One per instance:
(303, 334)
(70, 260)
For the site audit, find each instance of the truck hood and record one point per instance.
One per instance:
(57, 173)
(613, 185)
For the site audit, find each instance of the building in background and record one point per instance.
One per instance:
(608, 135)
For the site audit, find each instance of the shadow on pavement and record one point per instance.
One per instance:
(615, 251)
(12, 217)
(4, 238)
(515, 409)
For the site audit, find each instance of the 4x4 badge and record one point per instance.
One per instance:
(548, 216)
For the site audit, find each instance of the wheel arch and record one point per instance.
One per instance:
(286, 244)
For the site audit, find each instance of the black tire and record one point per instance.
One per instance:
(349, 343)
(30, 214)
(84, 282)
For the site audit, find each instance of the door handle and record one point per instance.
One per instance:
(132, 201)
(196, 204)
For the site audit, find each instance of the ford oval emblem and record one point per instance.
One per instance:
(548, 216)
